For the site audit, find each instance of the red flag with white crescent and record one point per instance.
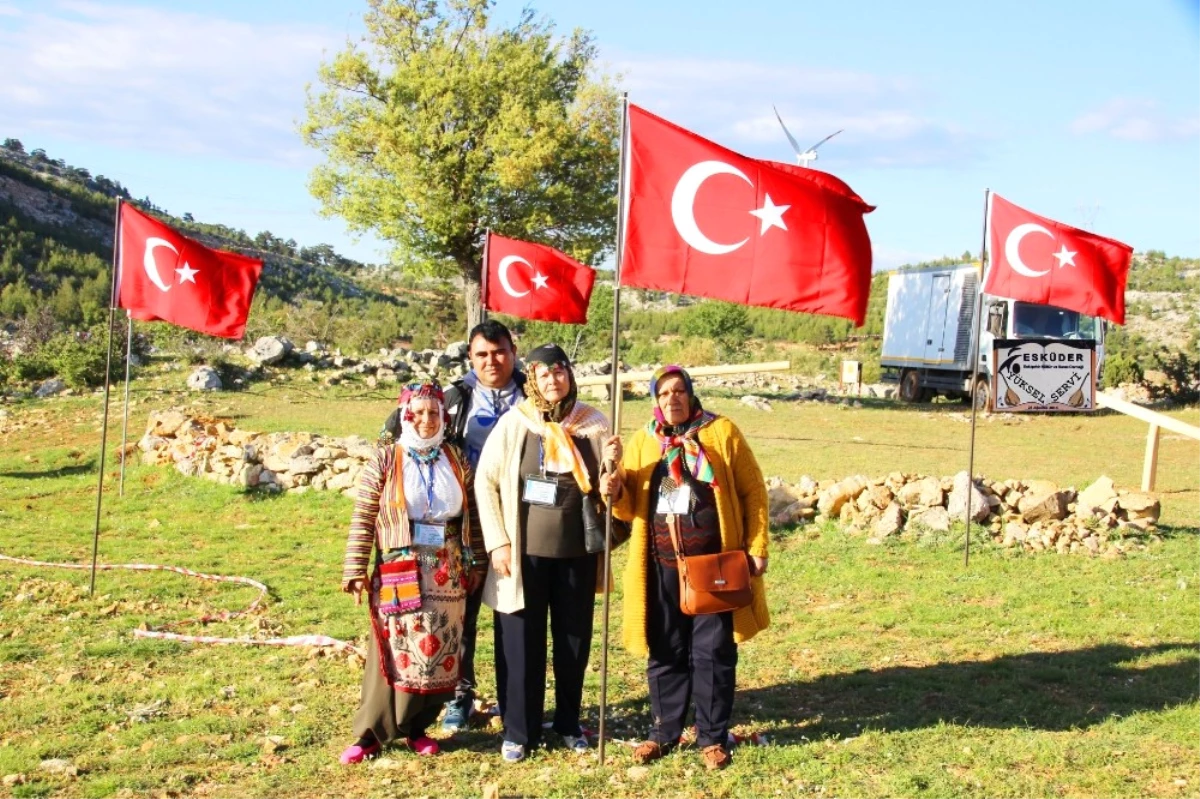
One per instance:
(164, 275)
(534, 281)
(1038, 260)
(707, 221)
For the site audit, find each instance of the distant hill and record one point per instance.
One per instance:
(56, 236)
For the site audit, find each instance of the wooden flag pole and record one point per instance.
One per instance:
(125, 422)
(614, 397)
(983, 265)
(112, 303)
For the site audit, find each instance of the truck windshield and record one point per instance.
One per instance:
(1048, 321)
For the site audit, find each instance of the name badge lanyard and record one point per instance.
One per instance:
(427, 484)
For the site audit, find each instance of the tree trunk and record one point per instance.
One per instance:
(473, 296)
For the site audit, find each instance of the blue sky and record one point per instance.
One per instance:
(1086, 112)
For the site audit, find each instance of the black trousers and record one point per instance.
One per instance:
(563, 590)
(693, 659)
(468, 685)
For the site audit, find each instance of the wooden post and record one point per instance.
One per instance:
(1150, 466)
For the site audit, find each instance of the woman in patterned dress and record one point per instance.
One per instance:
(415, 513)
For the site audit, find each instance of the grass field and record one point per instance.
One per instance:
(890, 670)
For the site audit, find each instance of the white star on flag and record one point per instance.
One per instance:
(539, 281)
(1065, 257)
(771, 215)
(186, 274)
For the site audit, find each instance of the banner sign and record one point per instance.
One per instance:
(1044, 375)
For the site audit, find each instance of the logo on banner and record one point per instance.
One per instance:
(1044, 375)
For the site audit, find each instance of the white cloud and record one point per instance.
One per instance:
(167, 80)
(731, 101)
(1136, 120)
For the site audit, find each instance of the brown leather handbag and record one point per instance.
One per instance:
(710, 583)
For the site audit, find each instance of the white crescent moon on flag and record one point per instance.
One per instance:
(1012, 246)
(505, 263)
(683, 201)
(151, 267)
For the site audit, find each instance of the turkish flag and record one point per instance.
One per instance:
(534, 281)
(1038, 260)
(164, 275)
(707, 221)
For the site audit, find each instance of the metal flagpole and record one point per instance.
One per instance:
(614, 395)
(487, 240)
(983, 265)
(112, 303)
(125, 423)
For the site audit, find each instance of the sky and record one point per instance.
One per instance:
(1087, 112)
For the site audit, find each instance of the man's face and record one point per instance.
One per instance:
(493, 363)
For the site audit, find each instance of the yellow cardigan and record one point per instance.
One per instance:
(741, 498)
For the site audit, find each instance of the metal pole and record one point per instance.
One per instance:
(483, 290)
(125, 423)
(614, 414)
(112, 302)
(975, 373)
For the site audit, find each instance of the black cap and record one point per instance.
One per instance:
(550, 355)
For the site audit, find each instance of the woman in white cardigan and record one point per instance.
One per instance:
(538, 468)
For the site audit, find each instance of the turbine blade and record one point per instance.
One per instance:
(787, 133)
(827, 138)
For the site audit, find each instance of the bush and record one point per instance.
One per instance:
(79, 358)
(1121, 368)
(1182, 385)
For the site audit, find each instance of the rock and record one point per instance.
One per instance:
(1094, 497)
(924, 493)
(165, 423)
(890, 522)
(964, 487)
(305, 464)
(831, 500)
(1043, 506)
(1139, 506)
(457, 351)
(269, 350)
(14, 779)
(779, 498)
(48, 388)
(935, 519)
(59, 765)
(205, 378)
(758, 403)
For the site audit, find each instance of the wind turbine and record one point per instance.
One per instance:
(803, 157)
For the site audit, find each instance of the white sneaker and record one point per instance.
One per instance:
(512, 752)
(576, 743)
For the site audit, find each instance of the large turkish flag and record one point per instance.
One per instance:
(707, 221)
(1038, 260)
(164, 275)
(534, 281)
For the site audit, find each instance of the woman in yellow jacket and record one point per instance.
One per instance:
(697, 466)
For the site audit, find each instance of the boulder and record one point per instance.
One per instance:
(758, 403)
(165, 423)
(457, 351)
(304, 465)
(48, 388)
(779, 498)
(963, 488)
(924, 493)
(889, 522)
(1139, 506)
(269, 350)
(1093, 498)
(1040, 505)
(831, 500)
(205, 378)
(935, 519)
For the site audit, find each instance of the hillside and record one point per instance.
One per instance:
(56, 231)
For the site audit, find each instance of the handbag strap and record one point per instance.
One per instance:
(673, 527)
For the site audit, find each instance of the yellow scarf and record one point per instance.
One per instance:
(583, 421)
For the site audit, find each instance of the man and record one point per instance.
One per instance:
(474, 403)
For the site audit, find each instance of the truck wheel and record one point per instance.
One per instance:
(983, 395)
(910, 386)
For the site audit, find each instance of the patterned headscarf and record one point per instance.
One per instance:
(424, 450)
(681, 443)
(558, 422)
(551, 355)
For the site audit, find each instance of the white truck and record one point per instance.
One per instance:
(931, 328)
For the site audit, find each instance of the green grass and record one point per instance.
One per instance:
(890, 670)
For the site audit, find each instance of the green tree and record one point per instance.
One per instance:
(437, 127)
(728, 325)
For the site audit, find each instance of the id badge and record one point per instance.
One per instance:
(540, 490)
(429, 534)
(674, 502)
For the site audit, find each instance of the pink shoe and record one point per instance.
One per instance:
(424, 745)
(357, 753)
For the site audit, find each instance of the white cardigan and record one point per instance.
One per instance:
(498, 497)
